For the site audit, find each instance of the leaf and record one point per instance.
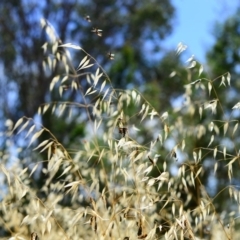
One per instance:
(209, 88)
(199, 154)
(183, 145)
(212, 139)
(30, 130)
(211, 126)
(222, 81)
(49, 152)
(49, 225)
(62, 107)
(190, 59)
(200, 70)
(65, 171)
(33, 170)
(64, 79)
(23, 171)
(60, 91)
(35, 136)
(89, 90)
(166, 131)
(77, 217)
(39, 110)
(47, 146)
(224, 152)
(96, 79)
(45, 108)
(144, 179)
(195, 156)
(215, 167)
(85, 64)
(82, 62)
(88, 79)
(173, 209)
(41, 144)
(198, 172)
(44, 65)
(105, 94)
(236, 106)
(235, 128)
(196, 81)
(172, 74)
(25, 220)
(6, 173)
(160, 138)
(53, 82)
(138, 99)
(17, 124)
(92, 92)
(98, 125)
(164, 166)
(145, 113)
(184, 182)
(91, 155)
(192, 178)
(225, 127)
(70, 45)
(151, 182)
(148, 170)
(193, 64)
(164, 116)
(139, 156)
(215, 152)
(180, 48)
(72, 184)
(102, 86)
(229, 78)
(74, 85)
(183, 170)
(97, 72)
(200, 110)
(134, 95)
(232, 161)
(101, 154)
(152, 114)
(142, 109)
(211, 104)
(23, 127)
(44, 47)
(163, 177)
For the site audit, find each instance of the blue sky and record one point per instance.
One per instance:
(195, 21)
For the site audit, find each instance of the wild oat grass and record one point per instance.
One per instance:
(113, 184)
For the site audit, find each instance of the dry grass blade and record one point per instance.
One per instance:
(34, 236)
(133, 170)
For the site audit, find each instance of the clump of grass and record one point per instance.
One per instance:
(116, 184)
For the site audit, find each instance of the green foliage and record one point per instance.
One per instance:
(137, 173)
(223, 60)
(224, 56)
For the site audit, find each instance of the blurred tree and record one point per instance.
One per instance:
(223, 60)
(224, 56)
